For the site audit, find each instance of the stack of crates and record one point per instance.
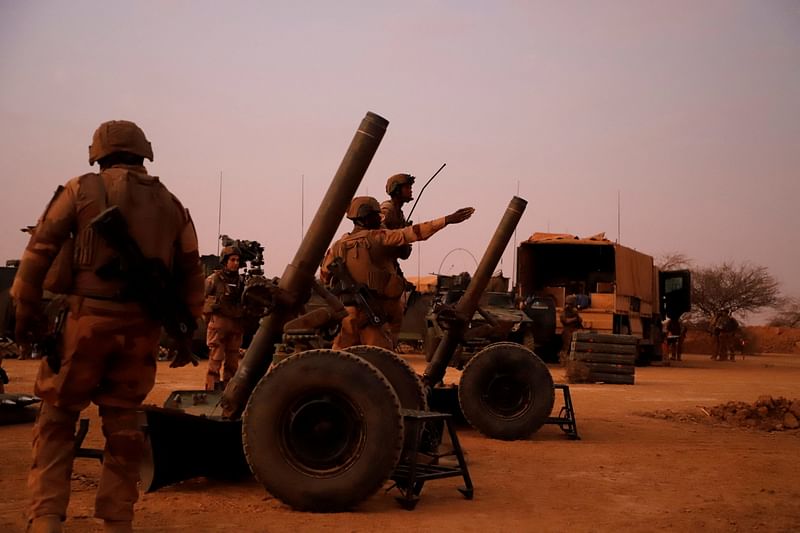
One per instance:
(607, 358)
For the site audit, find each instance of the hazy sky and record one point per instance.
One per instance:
(689, 109)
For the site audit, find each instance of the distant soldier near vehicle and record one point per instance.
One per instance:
(361, 267)
(570, 322)
(106, 351)
(676, 334)
(399, 188)
(723, 329)
(223, 313)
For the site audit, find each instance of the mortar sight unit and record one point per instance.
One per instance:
(251, 252)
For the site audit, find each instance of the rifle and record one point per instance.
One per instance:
(423, 190)
(345, 284)
(148, 282)
(47, 346)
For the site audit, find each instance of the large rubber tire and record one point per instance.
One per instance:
(617, 379)
(506, 392)
(322, 431)
(406, 383)
(606, 338)
(580, 346)
(611, 358)
(608, 368)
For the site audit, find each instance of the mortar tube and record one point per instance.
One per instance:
(298, 277)
(466, 306)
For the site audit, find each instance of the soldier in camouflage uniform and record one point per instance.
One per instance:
(399, 189)
(570, 322)
(107, 352)
(223, 314)
(724, 328)
(369, 254)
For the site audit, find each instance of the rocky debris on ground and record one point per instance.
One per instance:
(765, 414)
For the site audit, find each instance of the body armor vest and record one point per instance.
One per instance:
(369, 265)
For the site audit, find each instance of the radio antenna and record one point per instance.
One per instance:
(219, 212)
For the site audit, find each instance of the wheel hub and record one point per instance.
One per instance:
(322, 432)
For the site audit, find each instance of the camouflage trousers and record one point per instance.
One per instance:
(356, 329)
(224, 338)
(108, 356)
(394, 311)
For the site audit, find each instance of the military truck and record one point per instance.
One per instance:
(618, 289)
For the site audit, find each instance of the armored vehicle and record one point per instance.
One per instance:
(497, 319)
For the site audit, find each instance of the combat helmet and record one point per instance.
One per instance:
(228, 251)
(119, 136)
(362, 206)
(394, 183)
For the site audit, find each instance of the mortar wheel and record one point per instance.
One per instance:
(506, 392)
(406, 383)
(322, 431)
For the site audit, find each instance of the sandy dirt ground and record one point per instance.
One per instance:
(630, 472)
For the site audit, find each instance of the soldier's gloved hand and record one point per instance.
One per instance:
(459, 216)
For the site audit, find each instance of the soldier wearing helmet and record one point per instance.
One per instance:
(107, 352)
(223, 314)
(369, 254)
(399, 189)
(570, 322)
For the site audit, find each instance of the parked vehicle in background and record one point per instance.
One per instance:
(618, 290)
(497, 319)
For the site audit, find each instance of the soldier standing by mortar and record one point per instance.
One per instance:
(399, 188)
(223, 314)
(369, 257)
(107, 350)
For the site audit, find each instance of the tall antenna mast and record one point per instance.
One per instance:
(618, 230)
(302, 205)
(514, 257)
(219, 212)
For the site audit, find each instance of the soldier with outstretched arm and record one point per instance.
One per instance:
(369, 254)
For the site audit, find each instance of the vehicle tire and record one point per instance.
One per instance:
(611, 358)
(405, 382)
(580, 346)
(322, 431)
(506, 392)
(606, 338)
(616, 379)
(608, 368)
